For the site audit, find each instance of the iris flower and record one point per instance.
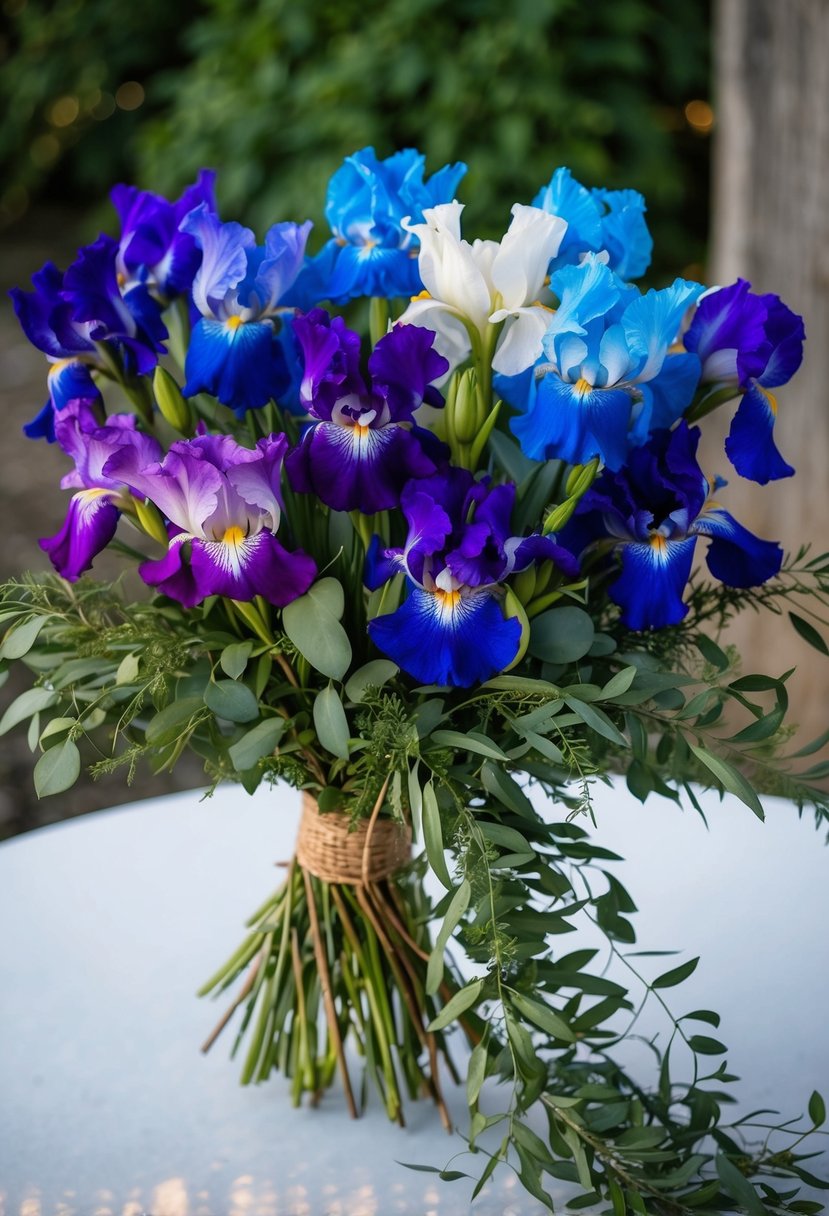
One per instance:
(223, 504)
(612, 221)
(235, 353)
(606, 378)
(70, 315)
(751, 343)
(471, 288)
(652, 512)
(96, 507)
(363, 446)
(153, 250)
(451, 628)
(371, 253)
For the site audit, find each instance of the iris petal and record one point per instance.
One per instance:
(736, 556)
(448, 639)
(241, 364)
(88, 528)
(750, 444)
(649, 588)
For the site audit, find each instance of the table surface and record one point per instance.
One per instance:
(111, 922)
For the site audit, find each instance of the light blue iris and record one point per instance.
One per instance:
(606, 379)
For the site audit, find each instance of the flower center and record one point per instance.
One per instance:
(234, 322)
(233, 535)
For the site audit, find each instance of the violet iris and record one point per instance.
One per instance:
(364, 445)
(223, 503)
(451, 628)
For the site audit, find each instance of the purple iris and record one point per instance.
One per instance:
(223, 503)
(94, 511)
(152, 249)
(653, 510)
(235, 352)
(451, 628)
(70, 315)
(364, 446)
(752, 343)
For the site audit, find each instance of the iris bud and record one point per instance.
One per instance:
(466, 412)
(171, 404)
(151, 521)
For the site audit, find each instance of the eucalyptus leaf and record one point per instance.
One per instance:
(433, 836)
(234, 659)
(454, 913)
(371, 675)
(312, 624)
(57, 769)
(460, 1002)
(331, 723)
(20, 640)
(231, 700)
(256, 744)
(29, 702)
(167, 725)
(561, 635)
(730, 779)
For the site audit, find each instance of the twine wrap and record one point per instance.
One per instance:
(329, 848)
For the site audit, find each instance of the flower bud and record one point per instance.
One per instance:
(151, 520)
(524, 584)
(466, 413)
(171, 404)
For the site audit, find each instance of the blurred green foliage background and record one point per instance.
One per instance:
(275, 93)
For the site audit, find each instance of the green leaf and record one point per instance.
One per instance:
(231, 700)
(257, 743)
(433, 836)
(808, 633)
(669, 979)
(711, 652)
(21, 639)
(817, 1109)
(729, 778)
(234, 659)
(57, 726)
(739, 1187)
(57, 769)
(371, 675)
(30, 702)
(706, 1046)
(506, 837)
(507, 790)
(542, 1016)
(476, 1072)
(312, 624)
(127, 669)
(470, 742)
(456, 909)
(167, 725)
(619, 683)
(561, 635)
(331, 723)
(597, 720)
(460, 1002)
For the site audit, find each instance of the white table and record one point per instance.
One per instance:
(111, 922)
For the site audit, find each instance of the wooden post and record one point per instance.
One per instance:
(771, 226)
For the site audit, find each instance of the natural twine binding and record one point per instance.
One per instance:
(329, 848)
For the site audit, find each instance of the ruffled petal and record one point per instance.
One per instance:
(567, 423)
(736, 556)
(452, 340)
(224, 257)
(357, 468)
(668, 395)
(520, 343)
(240, 363)
(243, 567)
(653, 578)
(519, 268)
(88, 528)
(448, 639)
(402, 366)
(750, 444)
(172, 575)
(652, 322)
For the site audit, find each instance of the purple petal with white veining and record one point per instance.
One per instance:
(243, 567)
(90, 525)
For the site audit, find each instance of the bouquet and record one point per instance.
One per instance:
(418, 575)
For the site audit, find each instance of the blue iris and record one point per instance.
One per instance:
(606, 378)
(612, 221)
(651, 513)
(371, 254)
